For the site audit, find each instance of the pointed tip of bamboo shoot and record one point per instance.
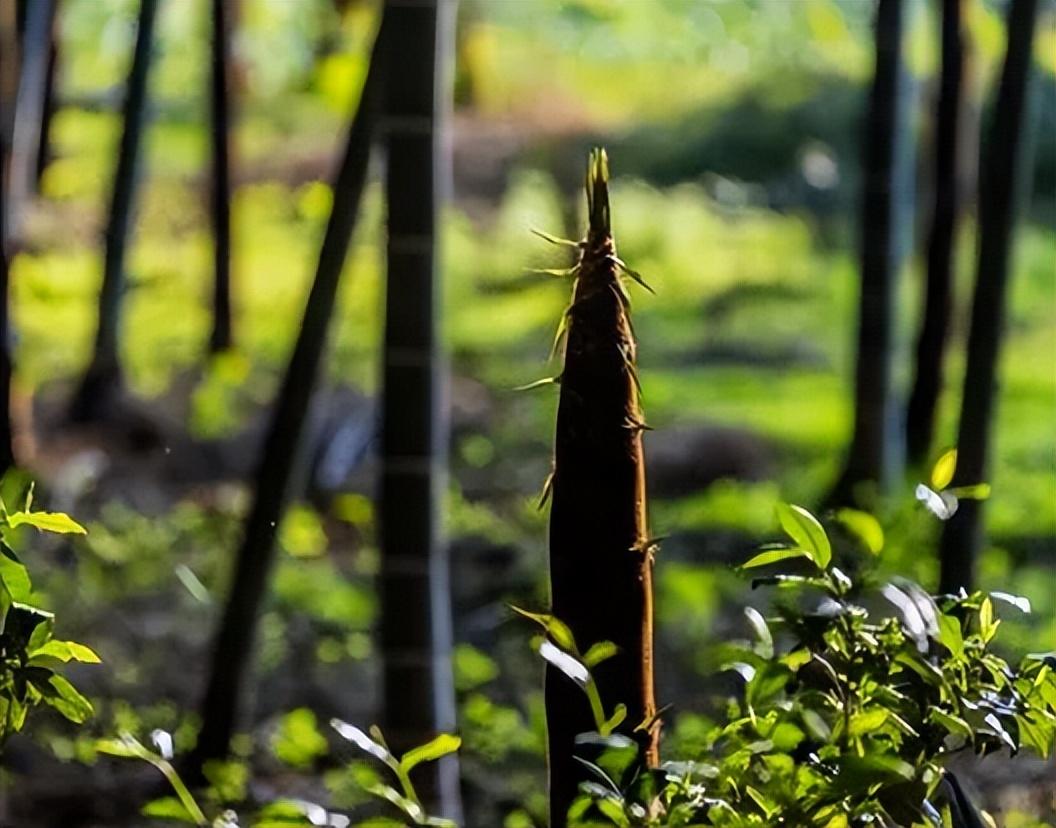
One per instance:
(597, 184)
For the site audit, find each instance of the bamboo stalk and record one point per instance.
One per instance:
(938, 296)
(102, 381)
(235, 637)
(8, 91)
(1002, 182)
(416, 634)
(221, 90)
(873, 454)
(29, 108)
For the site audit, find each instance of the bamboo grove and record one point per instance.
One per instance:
(601, 553)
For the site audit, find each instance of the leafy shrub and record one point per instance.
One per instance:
(848, 715)
(405, 798)
(301, 743)
(227, 781)
(31, 658)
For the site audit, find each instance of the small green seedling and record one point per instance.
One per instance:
(32, 659)
(406, 797)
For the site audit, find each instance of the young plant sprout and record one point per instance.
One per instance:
(405, 797)
(601, 555)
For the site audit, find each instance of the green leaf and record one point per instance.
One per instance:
(786, 737)
(866, 721)
(364, 742)
(610, 741)
(797, 658)
(1020, 602)
(943, 505)
(405, 804)
(928, 672)
(66, 651)
(14, 576)
(615, 720)
(51, 651)
(57, 522)
(41, 622)
(942, 471)
(557, 629)
(1037, 732)
(864, 527)
(283, 813)
(227, 778)
(953, 724)
(996, 727)
(950, 635)
(82, 653)
(432, 750)
(762, 631)
(816, 725)
(860, 772)
(987, 623)
(980, 491)
(298, 742)
(773, 556)
(15, 713)
(769, 680)
(806, 532)
(599, 652)
(567, 664)
(6, 602)
(472, 667)
(767, 806)
(168, 807)
(68, 701)
(125, 748)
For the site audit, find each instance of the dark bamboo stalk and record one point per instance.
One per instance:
(102, 381)
(1003, 174)
(43, 154)
(8, 91)
(236, 634)
(221, 89)
(600, 554)
(938, 297)
(416, 635)
(871, 457)
(29, 108)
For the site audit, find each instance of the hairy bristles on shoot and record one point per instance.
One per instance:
(531, 386)
(548, 488)
(633, 274)
(620, 293)
(557, 239)
(632, 424)
(650, 722)
(561, 272)
(649, 546)
(562, 330)
(633, 372)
